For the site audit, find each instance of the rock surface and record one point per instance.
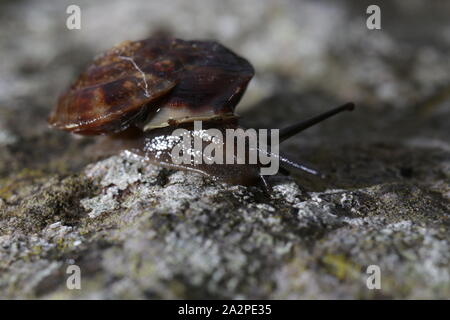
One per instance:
(140, 231)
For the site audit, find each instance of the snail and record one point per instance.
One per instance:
(143, 90)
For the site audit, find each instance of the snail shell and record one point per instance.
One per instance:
(153, 83)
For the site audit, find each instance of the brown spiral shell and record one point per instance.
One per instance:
(160, 80)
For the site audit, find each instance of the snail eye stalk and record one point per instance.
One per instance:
(292, 130)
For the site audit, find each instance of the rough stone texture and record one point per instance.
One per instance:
(140, 231)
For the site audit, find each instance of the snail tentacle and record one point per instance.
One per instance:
(292, 130)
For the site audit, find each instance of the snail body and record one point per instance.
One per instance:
(154, 86)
